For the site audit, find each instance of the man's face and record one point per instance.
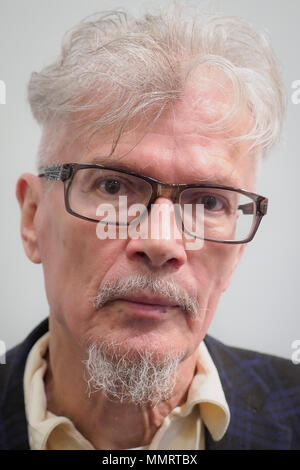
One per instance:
(76, 263)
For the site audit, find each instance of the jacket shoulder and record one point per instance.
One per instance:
(13, 425)
(263, 394)
(277, 370)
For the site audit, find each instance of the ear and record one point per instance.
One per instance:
(28, 192)
(239, 253)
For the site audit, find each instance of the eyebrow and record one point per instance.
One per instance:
(115, 164)
(224, 181)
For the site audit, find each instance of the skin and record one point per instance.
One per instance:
(76, 262)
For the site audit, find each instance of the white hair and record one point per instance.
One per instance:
(115, 69)
(136, 377)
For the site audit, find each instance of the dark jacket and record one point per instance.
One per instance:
(262, 391)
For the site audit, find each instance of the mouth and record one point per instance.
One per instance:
(148, 307)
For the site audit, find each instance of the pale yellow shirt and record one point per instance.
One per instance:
(183, 428)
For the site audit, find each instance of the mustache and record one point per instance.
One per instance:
(168, 289)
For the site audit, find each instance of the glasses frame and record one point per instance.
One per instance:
(65, 172)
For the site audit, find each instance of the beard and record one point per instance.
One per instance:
(137, 377)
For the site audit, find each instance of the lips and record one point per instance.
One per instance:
(153, 300)
(145, 306)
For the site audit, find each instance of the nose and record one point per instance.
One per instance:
(162, 245)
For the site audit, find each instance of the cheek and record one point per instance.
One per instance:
(213, 266)
(75, 261)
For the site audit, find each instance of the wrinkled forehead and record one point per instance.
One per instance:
(208, 115)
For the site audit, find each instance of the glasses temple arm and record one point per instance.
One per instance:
(56, 172)
(262, 206)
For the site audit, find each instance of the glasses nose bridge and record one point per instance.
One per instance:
(169, 191)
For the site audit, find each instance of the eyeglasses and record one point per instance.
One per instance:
(229, 215)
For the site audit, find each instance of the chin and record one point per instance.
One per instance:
(132, 370)
(137, 347)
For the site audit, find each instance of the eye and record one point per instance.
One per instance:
(212, 203)
(110, 186)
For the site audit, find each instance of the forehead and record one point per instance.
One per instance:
(182, 144)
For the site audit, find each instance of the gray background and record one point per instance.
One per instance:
(261, 308)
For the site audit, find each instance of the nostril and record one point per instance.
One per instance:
(171, 262)
(174, 262)
(156, 253)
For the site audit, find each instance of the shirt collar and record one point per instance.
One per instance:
(182, 428)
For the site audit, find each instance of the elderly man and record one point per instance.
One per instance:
(164, 113)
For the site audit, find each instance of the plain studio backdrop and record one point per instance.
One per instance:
(260, 310)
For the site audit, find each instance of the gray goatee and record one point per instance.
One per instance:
(135, 378)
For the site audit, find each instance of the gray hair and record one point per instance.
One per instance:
(116, 70)
(136, 377)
